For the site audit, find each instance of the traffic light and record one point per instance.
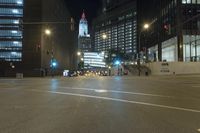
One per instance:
(117, 62)
(53, 63)
(167, 28)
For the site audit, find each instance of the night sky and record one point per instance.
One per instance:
(91, 8)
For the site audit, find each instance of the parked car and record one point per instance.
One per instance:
(72, 74)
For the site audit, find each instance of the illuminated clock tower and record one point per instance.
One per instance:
(83, 26)
(84, 40)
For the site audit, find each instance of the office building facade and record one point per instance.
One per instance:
(11, 13)
(175, 32)
(27, 49)
(116, 27)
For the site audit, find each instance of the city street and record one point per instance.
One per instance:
(165, 104)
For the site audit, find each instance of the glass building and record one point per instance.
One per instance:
(176, 35)
(11, 13)
(116, 28)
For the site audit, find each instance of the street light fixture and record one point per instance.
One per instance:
(48, 32)
(79, 53)
(104, 36)
(145, 27)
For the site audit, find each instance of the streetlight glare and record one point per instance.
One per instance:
(78, 53)
(48, 32)
(104, 36)
(146, 26)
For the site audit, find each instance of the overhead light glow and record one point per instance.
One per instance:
(78, 53)
(15, 42)
(48, 32)
(146, 26)
(104, 36)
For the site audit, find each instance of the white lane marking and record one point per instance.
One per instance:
(122, 100)
(113, 91)
(198, 130)
(101, 91)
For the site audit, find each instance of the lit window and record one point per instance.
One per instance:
(14, 31)
(15, 11)
(19, 2)
(186, 1)
(193, 1)
(16, 22)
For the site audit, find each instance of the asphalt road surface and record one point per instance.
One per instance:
(100, 105)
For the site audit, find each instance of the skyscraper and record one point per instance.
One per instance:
(24, 45)
(83, 26)
(11, 13)
(84, 40)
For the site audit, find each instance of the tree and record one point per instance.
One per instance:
(80, 65)
(114, 55)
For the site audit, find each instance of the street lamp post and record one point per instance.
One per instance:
(145, 27)
(48, 32)
(104, 36)
(79, 53)
(53, 63)
(80, 60)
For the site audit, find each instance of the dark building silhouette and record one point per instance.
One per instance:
(35, 50)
